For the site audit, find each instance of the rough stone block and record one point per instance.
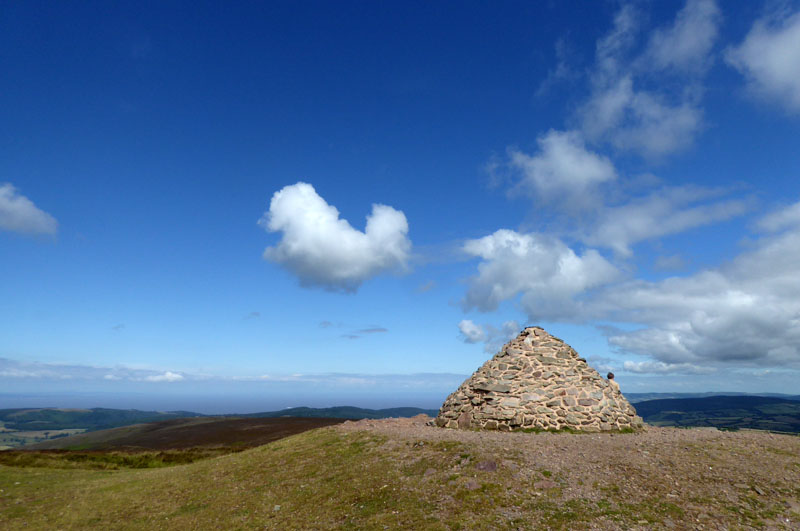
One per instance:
(496, 387)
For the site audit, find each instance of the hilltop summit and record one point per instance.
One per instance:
(537, 381)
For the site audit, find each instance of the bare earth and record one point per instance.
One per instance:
(701, 478)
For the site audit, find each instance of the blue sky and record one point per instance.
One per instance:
(326, 203)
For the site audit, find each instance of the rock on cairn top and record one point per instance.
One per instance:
(537, 381)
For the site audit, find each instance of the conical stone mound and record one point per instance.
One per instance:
(537, 381)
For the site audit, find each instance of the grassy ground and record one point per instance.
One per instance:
(326, 479)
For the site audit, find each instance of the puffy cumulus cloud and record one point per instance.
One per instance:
(563, 167)
(769, 58)
(669, 210)
(686, 44)
(744, 313)
(547, 273)
(321, 249)
(19, 214)
(661, 117)
(471, 332)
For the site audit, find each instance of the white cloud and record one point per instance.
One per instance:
(744, 313)
(686, 44)
(769, 58)
(613, 47)
(473, 333)
(56, 371)
(19, 214)
(562, 72)
(543, 269)
(781, 219)
(641, 121)
(128, 378)
(323, 250)
(633, 106)
(168, 376)
(669, 210)
(563, 168)
(659, 367)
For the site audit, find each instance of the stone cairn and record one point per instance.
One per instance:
(537, 381)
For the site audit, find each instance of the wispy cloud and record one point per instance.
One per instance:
(168, 376)
(649, 102)
(373, 330)
(564, 70)
(356, 380)
(12, 369)
(357, 333)
(44, 372)
(664, 211)
(659, 367)
(769, 58)
(426, 287)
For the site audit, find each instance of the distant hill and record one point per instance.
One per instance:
(641, 397)
(725, 412)
(86, 419)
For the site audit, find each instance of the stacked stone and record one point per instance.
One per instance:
(537, 381)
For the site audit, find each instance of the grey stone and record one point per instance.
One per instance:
(510, 402)
(496, 387)
(472, 485)
(487, 466)
(465, 420)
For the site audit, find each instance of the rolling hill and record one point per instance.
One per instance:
(402, 474)
(724, 412)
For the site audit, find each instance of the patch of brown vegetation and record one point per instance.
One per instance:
(204, 432)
